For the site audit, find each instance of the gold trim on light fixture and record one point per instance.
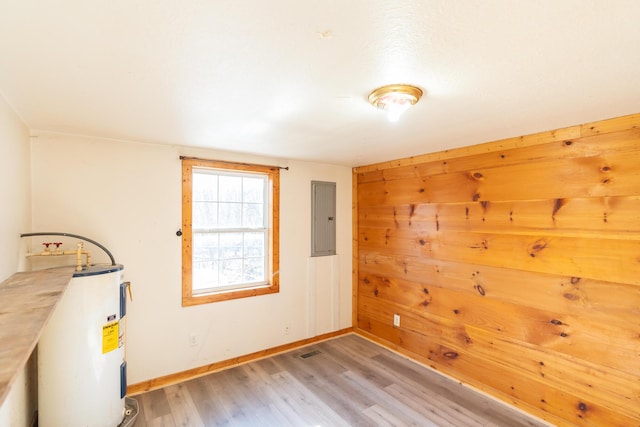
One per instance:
(395, 99)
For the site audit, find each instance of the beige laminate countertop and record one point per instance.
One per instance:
(27, 301)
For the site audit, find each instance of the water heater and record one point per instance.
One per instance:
(81, 354)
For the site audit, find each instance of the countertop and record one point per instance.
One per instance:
(27, 301)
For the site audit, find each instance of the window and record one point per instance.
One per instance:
(230, 233)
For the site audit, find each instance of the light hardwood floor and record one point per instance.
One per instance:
(350, 381)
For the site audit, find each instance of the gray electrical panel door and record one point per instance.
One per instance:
(323, 222)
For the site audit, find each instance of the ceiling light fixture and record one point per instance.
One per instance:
(395, 99)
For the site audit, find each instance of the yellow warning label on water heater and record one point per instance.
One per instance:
(109, 337)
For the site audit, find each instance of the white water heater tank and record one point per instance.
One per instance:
(81, 365)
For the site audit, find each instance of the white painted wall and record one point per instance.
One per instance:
(127, 196)
(15, 188)
(15, 218)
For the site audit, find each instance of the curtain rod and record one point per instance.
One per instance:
(233, 163)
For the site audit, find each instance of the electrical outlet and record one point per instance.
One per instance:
(396, 320)
(194, 339)
(286, 330)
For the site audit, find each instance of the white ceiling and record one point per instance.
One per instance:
(290, 78)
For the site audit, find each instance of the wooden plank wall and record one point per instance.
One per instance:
(514, 267)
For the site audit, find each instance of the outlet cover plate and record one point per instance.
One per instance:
(396, 320)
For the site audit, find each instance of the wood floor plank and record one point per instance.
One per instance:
(271, 416)
(427, 387)
(269, 365)
(141, 418)
(382, 417)
(240, 405)
(449, 396)
(182, 407)
(163, 421)
(206, 401)
(155, 404)
(346, 381)
(387, 404)
(432, 410)
(317, 412)
(389, 377)
(240, 384)
(264, 382)
(353, 361)
(323, 378)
